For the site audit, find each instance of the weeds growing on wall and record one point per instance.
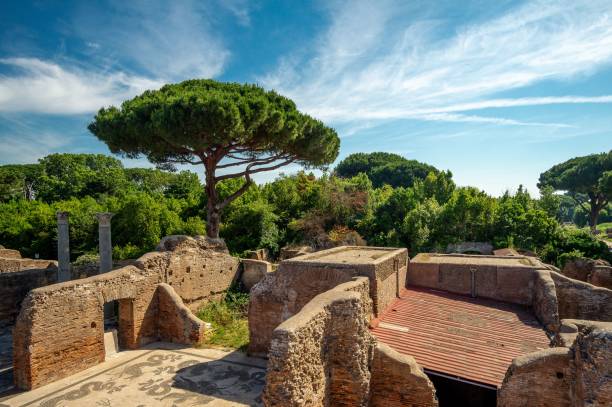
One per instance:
(229, 320)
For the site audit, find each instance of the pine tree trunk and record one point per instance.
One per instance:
(594, 215)
(213, 216)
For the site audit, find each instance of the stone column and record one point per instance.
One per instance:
(63, 246)
(104, 244)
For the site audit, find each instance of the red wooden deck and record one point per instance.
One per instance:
(461, 337)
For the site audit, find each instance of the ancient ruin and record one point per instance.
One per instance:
(349, 326)
(507, 324)
(282, 294)
(60, 329)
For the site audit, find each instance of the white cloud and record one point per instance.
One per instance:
(165, 42)
(240, 10)
(379, 62)
(45, 87)
(171, 40)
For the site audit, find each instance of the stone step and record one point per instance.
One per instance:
(111, 343)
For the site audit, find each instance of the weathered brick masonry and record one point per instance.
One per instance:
(285, 292)
(577, 375)
(60, 329)
(325, 356)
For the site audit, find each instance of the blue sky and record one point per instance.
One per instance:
(497, 92)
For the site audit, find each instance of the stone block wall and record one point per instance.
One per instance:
(175, 322)
(538, 379)
(320, 356)
(503, 278)
(593, 363)
(60, 329)
(198, 269)
(579, 375)
(326, 356)
(14, 287)
(596, 272)
(397, 380)
(580, 300)
(11, 265)
(545, 306)
(282, 294)
(19, 275)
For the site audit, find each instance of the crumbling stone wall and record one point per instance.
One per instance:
(593, 362)
(398, 380)
(60, 329)
(198, 269)
(574, 376)
(596, 272)
(545, 305)
(15, 286)
(175, 321)
(540, 378)
(282, 294)
(320, 356)
(11, 261)
(580, 300)
(326, 356)
(19, 275)
(503, 278)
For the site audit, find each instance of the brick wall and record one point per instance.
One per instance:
(453, 273)
(283, 293)
(325, 356)
(578, 375)
(15, 286)
(60, 329)
(397, 380)
(580, 300)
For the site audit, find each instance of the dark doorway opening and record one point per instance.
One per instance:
(111, 315)
(455, 392)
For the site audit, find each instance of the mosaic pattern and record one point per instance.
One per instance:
(166, 378)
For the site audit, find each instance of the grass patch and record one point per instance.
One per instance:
(229, 320)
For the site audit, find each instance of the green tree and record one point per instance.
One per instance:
(437, 185)
(384, 168)
(583, 176)
(19, 181)
(251, 226)
(66, 176)
(238, 128)
(467, 216)
(365, 162)
(550, 202)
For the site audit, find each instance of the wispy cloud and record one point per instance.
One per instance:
(239, 8)
(45, 87)
(131, 46)
(167, 40)
(379, 62)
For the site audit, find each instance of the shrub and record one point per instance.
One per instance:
(228, 318)
(563, 258)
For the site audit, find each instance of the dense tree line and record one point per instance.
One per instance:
(425, 214)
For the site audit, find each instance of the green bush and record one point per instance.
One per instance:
(563, 258)
(229, 320)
